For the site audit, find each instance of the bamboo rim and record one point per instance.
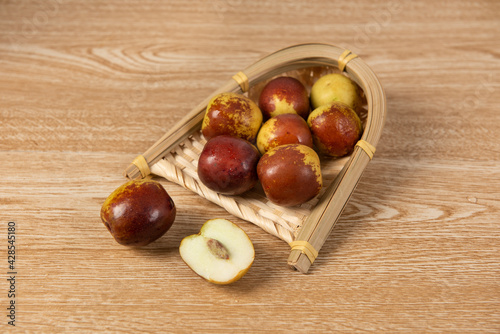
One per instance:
(319, 222)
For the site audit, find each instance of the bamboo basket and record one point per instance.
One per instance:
(306, 227)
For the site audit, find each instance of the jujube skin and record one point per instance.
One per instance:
(290, 174)
(228, 165)
(284, 95)
(336, 128)
(138, 212)
(232, 114)
(336, 87)
(283, 129)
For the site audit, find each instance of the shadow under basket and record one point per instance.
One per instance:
(305, 227)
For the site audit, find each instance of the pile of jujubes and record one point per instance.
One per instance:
(276, 140)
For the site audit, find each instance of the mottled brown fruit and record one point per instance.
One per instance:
(336, 128)
(228, 165)
(138, 212)
(283, 129)
(290, 174)
(284, 95)
(232, 114)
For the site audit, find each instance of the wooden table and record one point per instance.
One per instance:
(88, 85)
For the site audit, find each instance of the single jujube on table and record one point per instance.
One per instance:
(138, 212)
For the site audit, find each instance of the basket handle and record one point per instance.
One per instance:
(318, 226)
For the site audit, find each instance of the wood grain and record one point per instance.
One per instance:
(85, 86)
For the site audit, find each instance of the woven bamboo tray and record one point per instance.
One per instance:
(306, 227)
